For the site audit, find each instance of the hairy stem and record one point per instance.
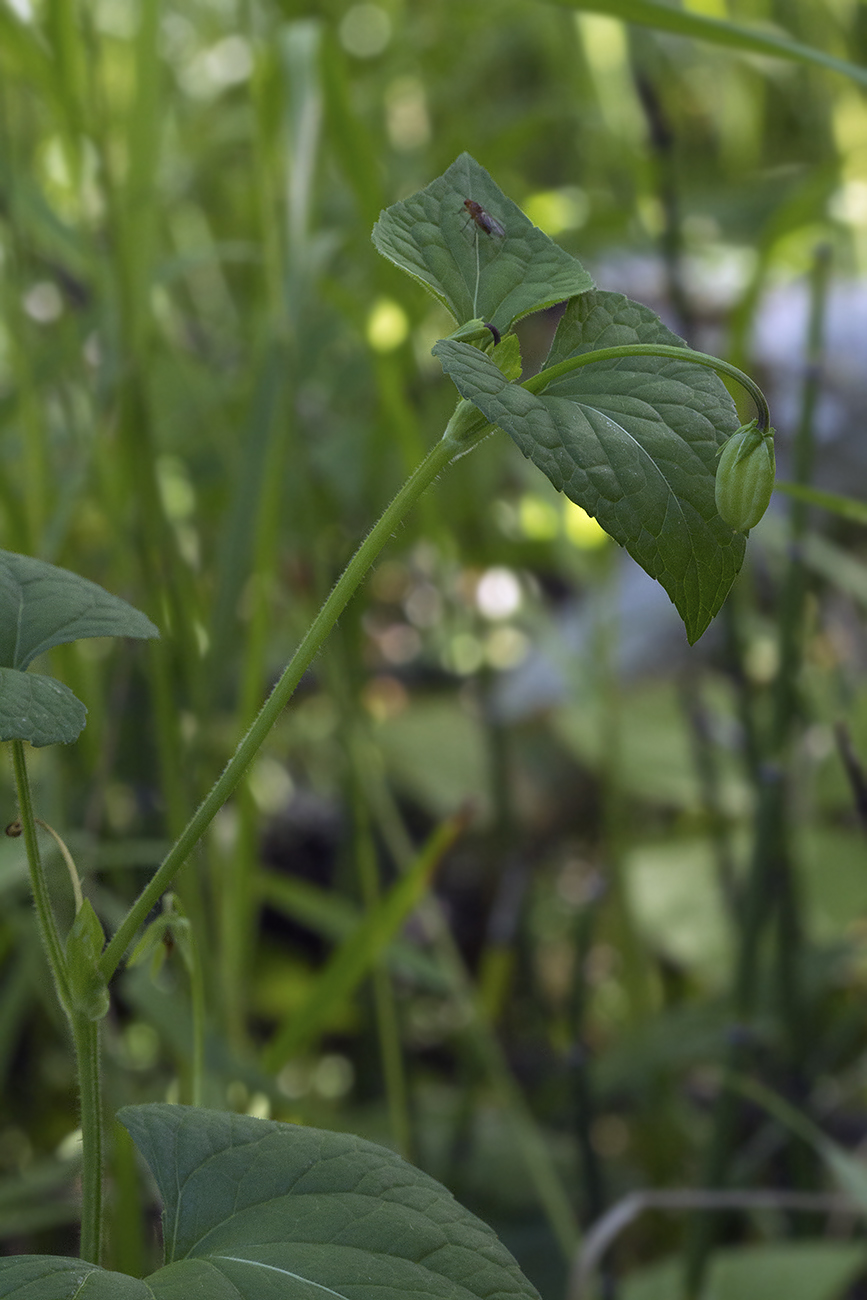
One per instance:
(85, 1033)
(44, 912)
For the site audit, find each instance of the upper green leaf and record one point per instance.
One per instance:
(633, 441)
(43, 606)
(257, 1210)
(498, 278)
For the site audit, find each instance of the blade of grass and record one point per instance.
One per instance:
(25, 55)
(263, 487)
(479, 1039)
(849, 1172)
(846, 507)
(363, 948)
(771, 885)
(718, 31)
(334, 918)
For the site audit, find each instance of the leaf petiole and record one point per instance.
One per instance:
(550, 376)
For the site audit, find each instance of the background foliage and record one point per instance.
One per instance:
(210, 384)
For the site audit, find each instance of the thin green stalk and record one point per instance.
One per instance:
(85, 1034)
(44, 911)
(553, 373)
(705, 758)
(647, 74)
(390, 1050)
(343, 687)
(770, 885)
(197, 1007)
(788, 904)
(583, 1096)
(236, 896)
(479, 1035)
(463, 430)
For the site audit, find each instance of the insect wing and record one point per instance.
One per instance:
(493, 226)
(490, 225)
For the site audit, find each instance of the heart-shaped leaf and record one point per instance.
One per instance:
(477, 272)
(257, 1210)
(43, 606)
(39, 709)
(633, 441)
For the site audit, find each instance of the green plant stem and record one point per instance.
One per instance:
(85, 1034)
(44, 912)
(465, 428)
(387, 1024)
(553, 373)
(197, 1012)
(367, 867)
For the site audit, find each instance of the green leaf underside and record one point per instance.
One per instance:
(633, 441)
(431, 236)
(38, 709)
(43, 606)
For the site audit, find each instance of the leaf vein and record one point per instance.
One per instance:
(298, 1277)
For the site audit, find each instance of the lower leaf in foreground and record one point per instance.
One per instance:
(259, 1210)
(52, 1277)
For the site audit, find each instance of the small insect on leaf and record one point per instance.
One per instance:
(490, 225)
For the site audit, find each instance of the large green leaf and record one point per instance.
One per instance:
(704, 27)
(474, 273)
(38, 709)
(43, 606)
(260, 1209)
(256, 1210)
(633, 441)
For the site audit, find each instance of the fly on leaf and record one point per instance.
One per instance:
(490, 225)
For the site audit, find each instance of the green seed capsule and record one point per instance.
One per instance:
(745, 477)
